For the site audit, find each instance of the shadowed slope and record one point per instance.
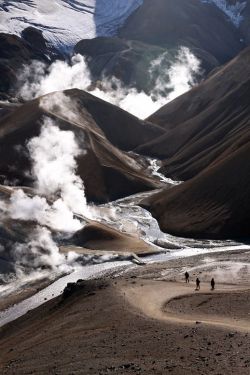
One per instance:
(149, 41)
(107, 172)
(215, 204)
(120, 127)
(204, 125)
(200, 25)
(16, 52)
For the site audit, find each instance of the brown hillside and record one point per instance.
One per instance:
(215, 204)
(107, 172)
(205, 124)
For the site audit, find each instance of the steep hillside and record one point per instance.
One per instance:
(155, 23)
(148, 43)
(215, 204)
(206, 124)
(107, 172)
(143, 66)
(121, 128)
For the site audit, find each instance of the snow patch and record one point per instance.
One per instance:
(232, 11)
(65, 22)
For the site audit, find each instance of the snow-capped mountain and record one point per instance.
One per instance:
(65, 22)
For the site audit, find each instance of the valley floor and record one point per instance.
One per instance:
(147, 321)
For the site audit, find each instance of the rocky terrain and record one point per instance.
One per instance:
(90, 191)
(119, 326)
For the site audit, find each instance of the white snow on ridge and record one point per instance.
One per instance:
(232, 11)
(65, 22)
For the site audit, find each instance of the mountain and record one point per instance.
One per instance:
(204, 125)
(148, 43)
(214, 204)
(97, 236)
(108, 173)
(139, 65)
(155, 23)
(202, 137)
(122, 129)
(65, 22)
(207, 143)
(129, 61)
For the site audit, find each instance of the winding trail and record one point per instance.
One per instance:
(151, 298)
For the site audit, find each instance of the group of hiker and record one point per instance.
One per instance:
(198, 282)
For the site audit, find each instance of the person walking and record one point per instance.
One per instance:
(187, 277)
(212, 284)
(197, 284)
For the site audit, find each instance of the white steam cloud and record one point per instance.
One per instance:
(61, 191)
(54, 155)
(39, 251)
(60, 196)
(176, 80)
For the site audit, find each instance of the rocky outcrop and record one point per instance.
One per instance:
(39, 44)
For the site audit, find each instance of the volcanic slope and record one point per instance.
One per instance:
(214, 204)
(155, 23)
(149, 42)
(205, 125)
(108, 173)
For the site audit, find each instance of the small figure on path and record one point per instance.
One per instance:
(197, 284)
(187, 277)
(212, 284)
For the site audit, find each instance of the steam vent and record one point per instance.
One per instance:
(125, 187)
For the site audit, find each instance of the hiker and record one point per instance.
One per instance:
(187, 277)
(212, 284)
(197, 284)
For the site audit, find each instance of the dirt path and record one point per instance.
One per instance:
(152, 297)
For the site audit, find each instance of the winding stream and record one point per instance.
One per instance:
(56, 288)
(97, 271)
(127, 216)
